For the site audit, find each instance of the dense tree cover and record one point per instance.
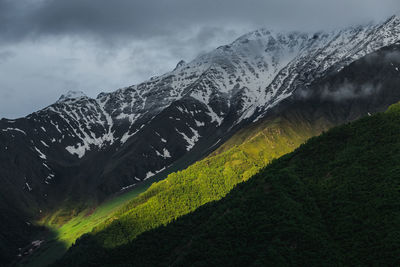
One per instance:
(334, 201)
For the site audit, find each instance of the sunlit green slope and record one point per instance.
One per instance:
(207, 180)
(62, 235)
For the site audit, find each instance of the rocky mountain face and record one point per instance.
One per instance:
(81, 148)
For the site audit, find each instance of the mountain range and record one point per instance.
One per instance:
(77, 152)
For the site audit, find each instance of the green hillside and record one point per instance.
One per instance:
(60, 237)
(207, 180)
(334, 201)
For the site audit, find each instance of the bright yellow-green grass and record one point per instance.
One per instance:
(87, 219)
(63, 236)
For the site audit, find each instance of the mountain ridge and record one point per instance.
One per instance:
(81, 150)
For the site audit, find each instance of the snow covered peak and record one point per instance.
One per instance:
(180, 64)
(243, 79)
(71, 95)
(262, 67)
(394, 19)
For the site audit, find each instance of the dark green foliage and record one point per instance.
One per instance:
(334, 201)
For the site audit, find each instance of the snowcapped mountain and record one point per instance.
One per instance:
(82, 147)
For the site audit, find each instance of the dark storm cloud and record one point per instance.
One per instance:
(144, 19)
(108, 20)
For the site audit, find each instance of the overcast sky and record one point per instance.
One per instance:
(48, 47)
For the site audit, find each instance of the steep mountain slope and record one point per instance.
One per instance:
(80, 150)
(334, 201)
(307, 113)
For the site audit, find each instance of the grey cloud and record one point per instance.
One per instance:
(142, 19)
(342, 92)
(6, 55)
(393, 57)
(389, 57)
(349, 91)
